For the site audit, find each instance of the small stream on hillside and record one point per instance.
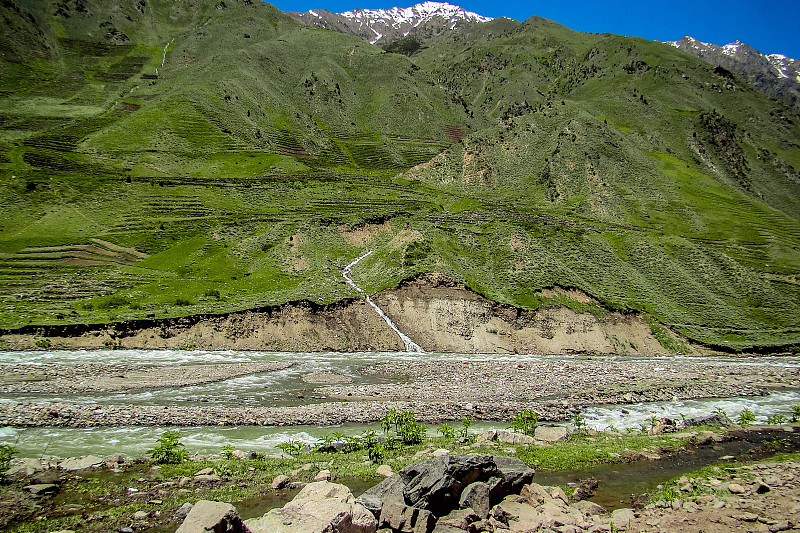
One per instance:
(411, 346)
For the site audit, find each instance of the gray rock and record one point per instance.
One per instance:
(140, 515)
(589, 508)
(459, 519)
(280, 482)
(384, 470)
(208, 516)
(324, 475)
(476, 497)
(621, 518)
(715, 419)
(507, 437)
(320, 506)
(550, 433)
(41, 489)
(81, 463)
(25, 467)
(512, 475)
(205, 472)
(404, 519)
(182, 512)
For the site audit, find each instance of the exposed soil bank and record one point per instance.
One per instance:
(441, 316)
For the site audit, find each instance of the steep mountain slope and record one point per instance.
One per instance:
(775, 75)
(166, 159)
(383, 26)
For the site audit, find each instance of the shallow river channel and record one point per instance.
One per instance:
(281, 388)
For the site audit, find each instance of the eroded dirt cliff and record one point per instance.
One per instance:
(435, 312)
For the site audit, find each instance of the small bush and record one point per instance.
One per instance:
(525, 422)
(169, 450)
(113, 302)
(291, 447)
(406, 427)
(227, 452)
(795, 413)
(212, 293)
(447, 431)
(777, 419)
(7, 453)
(579, 422)
(182, 302)
(746, 417)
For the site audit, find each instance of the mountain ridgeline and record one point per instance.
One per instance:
(163, 159)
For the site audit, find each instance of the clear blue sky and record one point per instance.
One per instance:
(771, 26)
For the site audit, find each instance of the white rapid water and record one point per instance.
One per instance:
(411, 346)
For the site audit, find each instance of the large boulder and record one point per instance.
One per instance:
(218, 517)
(319, 506)
(436, 485)
(550, 433)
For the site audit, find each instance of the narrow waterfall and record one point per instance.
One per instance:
(411, 346)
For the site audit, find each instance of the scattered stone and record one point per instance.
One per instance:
(205, 472)
(506, 437)
(735, 488)
(441, 452)
(460, 519)
(589, 508)
(762, 488)
(208, 515)
(324, 475)
(42, 489)
(73, 464)
(384, 470)
(747, 517)
(141, 515)
(280, 482)
(727, 458)
(320, 506)
(781, 526)
(182, 512)
(715, 419)
(621, 518)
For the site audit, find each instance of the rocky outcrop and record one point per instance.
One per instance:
(412, 500)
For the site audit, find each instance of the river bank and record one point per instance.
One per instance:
(131, 494)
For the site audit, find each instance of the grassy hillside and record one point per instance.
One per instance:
(164, 159)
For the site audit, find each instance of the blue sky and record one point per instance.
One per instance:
(770, 26)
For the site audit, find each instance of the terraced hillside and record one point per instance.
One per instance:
(164, 159)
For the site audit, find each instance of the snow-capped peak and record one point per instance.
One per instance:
(414, 15)
(387, 25)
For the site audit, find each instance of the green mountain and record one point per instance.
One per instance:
(163, 159)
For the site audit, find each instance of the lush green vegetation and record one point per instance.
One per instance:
(174, 159)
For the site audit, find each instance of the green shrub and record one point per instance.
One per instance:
(212, 293)
(466, 422)
(795, 413)
(525, 422)
(746, 417)
(579, 422)
(291, 447)
(447, 431)
(406, 427)
(169, 450)
(227, 452)
(777, 419)
(7, 452)
(182, 302)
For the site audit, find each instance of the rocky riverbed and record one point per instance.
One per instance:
(97, 377)
(435, 390)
